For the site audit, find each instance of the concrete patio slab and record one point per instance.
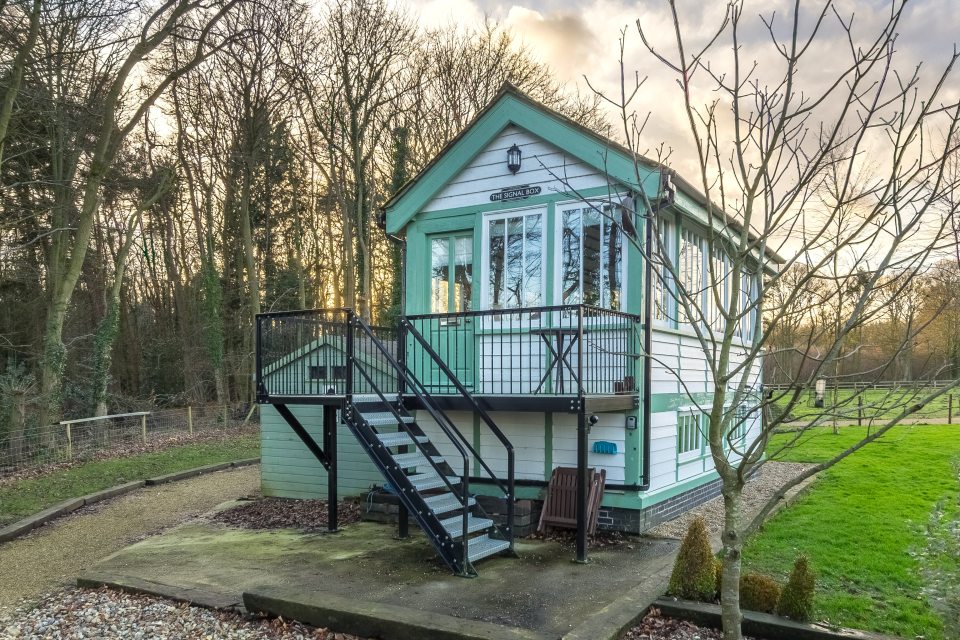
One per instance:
(539, 594)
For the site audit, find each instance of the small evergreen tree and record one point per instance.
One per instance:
(759, 592)
(694, 577)
(796, 601)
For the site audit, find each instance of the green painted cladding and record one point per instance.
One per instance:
(289, 470)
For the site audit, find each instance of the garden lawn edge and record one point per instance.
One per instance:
(28, 524)
(762, 625)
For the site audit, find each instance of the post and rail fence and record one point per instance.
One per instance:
(106, 436)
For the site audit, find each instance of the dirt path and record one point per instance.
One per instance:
(54, 555)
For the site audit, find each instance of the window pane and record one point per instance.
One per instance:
(514, 269)
(439, 275)
(496, 276)
(591, 256)
(533, 262)
(570, 263)
(612, 259)
(463, 273)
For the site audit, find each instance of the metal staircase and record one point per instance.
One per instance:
(434, 491)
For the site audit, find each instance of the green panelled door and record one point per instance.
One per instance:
(451, 292)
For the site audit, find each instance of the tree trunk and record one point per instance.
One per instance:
(732, 556)
(18, 421)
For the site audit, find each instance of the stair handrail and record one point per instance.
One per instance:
(509, 490)
(419, 445)
(436, 413)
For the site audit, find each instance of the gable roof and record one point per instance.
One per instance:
(511, 106)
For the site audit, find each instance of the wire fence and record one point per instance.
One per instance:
(124, 434)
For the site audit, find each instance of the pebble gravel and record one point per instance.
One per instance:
(75, 614)
(756, 493)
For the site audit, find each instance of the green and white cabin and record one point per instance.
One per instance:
(522, 273)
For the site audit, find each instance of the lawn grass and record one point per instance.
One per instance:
(863, 526)
(877, 403)
(26, 496)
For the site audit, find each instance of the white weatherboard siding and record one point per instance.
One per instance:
(611, 427)
(679, 357)
(543, 165)
(526, 432)
(289, 470)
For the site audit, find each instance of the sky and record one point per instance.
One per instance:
(580, 40)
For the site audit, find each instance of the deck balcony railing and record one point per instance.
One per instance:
(572, 350)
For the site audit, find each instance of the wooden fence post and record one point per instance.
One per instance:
(950, 408)
(190, 419)
(143, 428)
(69, 443)
(859, 411)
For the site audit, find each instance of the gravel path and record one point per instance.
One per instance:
(75, 613)
(55, 554)
(758, 490)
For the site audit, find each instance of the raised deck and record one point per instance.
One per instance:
(545, 359)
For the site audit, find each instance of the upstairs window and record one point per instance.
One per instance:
(451, 273)
(515, 260)
(591, 266)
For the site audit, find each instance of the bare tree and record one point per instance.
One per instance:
(768, 138)
(120, 110)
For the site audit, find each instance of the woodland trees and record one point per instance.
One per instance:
(170, 168)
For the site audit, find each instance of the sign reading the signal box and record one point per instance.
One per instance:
(514, 193)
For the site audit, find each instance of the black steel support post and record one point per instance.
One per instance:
(403, 522)
(582, 480)
(330, 446)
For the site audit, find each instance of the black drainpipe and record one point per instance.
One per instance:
(647, 364)
(666, 199)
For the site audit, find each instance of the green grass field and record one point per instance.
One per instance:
(863, 526)
(27, 496)
(877, 403)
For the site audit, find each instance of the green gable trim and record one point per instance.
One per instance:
(513, 109)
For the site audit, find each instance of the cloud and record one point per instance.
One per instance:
(562, 39)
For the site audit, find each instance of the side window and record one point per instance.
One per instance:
(691, 425)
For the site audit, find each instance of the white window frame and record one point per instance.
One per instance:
(557, 259)
(486, 218)
(695, 453)
(667, 228)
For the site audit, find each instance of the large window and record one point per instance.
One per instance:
(690, 267)
(591, 266)
(664, 304)
(515, 260)
(451, 273)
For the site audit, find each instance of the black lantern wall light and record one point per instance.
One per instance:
(513, 158)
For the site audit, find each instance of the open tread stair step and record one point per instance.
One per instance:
(485, 546)
(399, 439)
(454, 525)
(384, 418)
(415, 459)
(446, 502)
(427, 481)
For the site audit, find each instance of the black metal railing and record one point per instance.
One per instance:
(570, 350)
(304, 353)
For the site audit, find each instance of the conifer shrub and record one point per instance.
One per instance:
(694, 576)
(796, 601)
(718, 573)
(759, 592)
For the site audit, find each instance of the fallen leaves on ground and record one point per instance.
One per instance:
(102, 613)
(287, 513)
